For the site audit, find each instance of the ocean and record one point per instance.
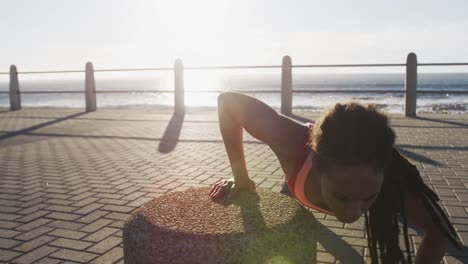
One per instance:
(391, 101)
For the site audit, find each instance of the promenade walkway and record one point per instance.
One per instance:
(69, 179)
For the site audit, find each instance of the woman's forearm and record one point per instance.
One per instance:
(232, 133)
(431, 249)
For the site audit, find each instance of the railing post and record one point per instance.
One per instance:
(411, 83)
(179, 104)
(90, 88)
(15, 95)
(286, 86)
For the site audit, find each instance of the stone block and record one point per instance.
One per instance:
(189, 227)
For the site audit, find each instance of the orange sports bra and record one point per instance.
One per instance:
(297, 180)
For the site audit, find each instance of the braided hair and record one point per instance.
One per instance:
(353, 133)
(400, 178)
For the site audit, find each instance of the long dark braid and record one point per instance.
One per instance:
(382, 225)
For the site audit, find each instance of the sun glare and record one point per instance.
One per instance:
(198, 32)
(201, 33)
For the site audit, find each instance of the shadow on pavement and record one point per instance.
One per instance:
(331, 242)
(419, 157)
(442, 121)
(120, 119)
(336, 246)
(39, 126)
(427, 147)
(171, 135)
(459, 254)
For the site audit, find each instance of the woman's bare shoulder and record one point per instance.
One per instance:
(293, 140)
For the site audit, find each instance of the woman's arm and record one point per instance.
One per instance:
(237, 111)
(434, 243)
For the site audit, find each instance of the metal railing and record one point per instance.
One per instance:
(410, 90)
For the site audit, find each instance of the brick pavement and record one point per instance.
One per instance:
(68, 179)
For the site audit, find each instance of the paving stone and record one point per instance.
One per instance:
(34, 233)
(63, 216)
(8, 209)
(139, 202)
(324, 257)
(455, 260)
(65, 225)
(118, 208)
(73, 255)
(123, 186)
(70, 244)
(117, 224)
(34, 243)
(56, 196)
(105, 245)
(455, 211)
(59, 202)
(10, 203)
(32, 202)
(85, 201)
(5, 233)
(118, 216)
(7, 255)
(82, 196)
(97, 225)
(8, 224)
(34, 224)
(35, 255)
(111, 256)
(8, 217)
(67, 233)
(32, 209)
(61, 208)
(80, 191)
(8, 243)
(48, 260)
(133, 196)
(113, 202)
(33, 216)
(109, 196)
(104, 190)
(101, 234)
(32, 196)
(89, 208)
(93, 216)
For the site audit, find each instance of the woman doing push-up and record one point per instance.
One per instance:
(344, 165)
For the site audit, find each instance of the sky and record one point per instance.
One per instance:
(64, 35)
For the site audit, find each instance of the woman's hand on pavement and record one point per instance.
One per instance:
(231, 187)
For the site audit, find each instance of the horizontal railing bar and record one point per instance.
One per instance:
(50, 92)
(135, 91)
(243, 91)
(342, 91)
(443, 92)
(48, 72)
(250, 67)
(347, 65)
(444, 64)
(348, 91)
(249, 91)
(379, 91)
(115, 91)
(137, 69)
(234, 67)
